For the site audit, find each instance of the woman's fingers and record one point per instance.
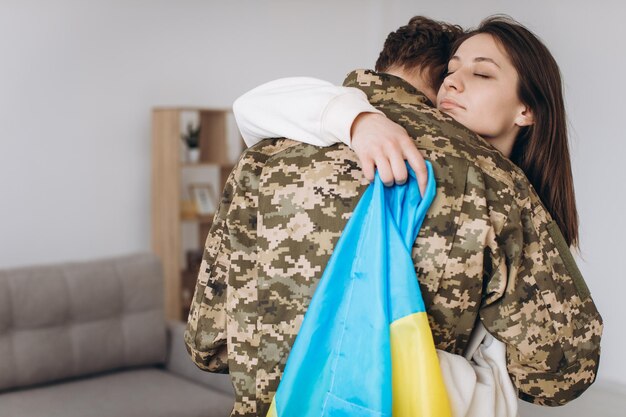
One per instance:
(384, 171)
(384, 145)
(369, 168)
(416, 161)
(398, 167)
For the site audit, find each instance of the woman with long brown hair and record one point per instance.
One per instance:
(538, 142)
(501, 82)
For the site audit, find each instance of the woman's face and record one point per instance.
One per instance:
(480, 90)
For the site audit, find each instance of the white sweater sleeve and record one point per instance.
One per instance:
(305, 109)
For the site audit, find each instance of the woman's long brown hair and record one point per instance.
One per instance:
(541, 150)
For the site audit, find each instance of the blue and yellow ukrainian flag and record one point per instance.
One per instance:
(365, 347)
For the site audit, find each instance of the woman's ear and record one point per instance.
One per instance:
(524, 117)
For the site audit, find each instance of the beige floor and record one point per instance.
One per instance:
(600, 400)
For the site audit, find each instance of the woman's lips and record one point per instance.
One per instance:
(449, 104)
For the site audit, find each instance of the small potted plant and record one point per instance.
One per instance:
(191, 139)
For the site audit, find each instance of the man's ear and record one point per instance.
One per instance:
(524, 117)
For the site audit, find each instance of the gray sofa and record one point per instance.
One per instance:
(90, 339)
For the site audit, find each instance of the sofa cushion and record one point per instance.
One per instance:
(79, 318)
(132, 393)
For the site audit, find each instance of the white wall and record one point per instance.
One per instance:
(77, 83)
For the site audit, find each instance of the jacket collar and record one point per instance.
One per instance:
(382, 87)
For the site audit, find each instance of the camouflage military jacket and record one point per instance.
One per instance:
(487, 250)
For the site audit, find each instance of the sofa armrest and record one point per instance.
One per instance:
(179, 362)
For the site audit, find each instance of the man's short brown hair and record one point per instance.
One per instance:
(421, 45)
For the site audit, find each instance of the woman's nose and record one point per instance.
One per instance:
(453, 82)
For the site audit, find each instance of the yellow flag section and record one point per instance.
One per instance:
(272, 411)
(365, 347)
(415, 370)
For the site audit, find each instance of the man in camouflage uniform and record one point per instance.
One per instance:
(487, 250)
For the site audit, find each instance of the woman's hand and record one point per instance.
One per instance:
(384, 145)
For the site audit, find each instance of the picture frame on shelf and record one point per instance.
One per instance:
(204, 198)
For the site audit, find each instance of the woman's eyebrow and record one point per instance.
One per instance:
(484, 59)
(478, 59)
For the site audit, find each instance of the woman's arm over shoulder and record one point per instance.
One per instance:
(305, 109)
(538, 304)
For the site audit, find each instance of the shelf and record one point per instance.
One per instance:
(177, 229)
(191, 109)
(205, 164)
(204, 218)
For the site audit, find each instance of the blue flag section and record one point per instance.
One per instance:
(365, 347)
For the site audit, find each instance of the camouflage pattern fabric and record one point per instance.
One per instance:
(488, 250)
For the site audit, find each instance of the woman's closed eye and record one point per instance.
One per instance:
(477, 74)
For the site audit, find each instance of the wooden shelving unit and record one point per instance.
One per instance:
(173, 218)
